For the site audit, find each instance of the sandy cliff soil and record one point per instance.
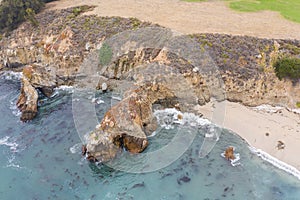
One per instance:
(185, 17)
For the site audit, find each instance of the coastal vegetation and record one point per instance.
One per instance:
(14, 12)
(105, 54)
(287, 67)
(288, 8)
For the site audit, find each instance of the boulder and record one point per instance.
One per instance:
(229, 153)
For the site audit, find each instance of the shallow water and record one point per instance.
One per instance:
(41, 160)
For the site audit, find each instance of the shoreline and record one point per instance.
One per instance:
(262, 129)
(193, 17)
(244, 121)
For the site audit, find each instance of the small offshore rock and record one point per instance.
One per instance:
(229, 153)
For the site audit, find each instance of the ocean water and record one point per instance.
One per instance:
(41, 159)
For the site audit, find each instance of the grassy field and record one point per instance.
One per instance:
(290, 9)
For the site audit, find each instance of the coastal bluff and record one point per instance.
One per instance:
(52, 54)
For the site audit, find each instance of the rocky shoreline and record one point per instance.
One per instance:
(53, 53)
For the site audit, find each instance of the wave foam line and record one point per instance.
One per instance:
(275, 162)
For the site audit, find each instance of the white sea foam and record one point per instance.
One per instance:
(268, 108)
(97, 100)
(10, 75)
(274, 109)
(12, 145)
(275, 162)
(66, 88)
(76, 148)
(169, 116)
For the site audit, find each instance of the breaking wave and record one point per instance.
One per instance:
(275, 162)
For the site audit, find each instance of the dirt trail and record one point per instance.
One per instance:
(185, 17)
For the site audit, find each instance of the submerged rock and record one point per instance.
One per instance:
(183, 179)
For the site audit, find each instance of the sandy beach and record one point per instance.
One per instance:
(261, 129)
(264, 130)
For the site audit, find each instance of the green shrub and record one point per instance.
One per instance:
(287, 67)
(14, 12)
(298, 104)
(30, 15)
(105, 54)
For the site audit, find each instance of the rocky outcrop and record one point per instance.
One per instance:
(27, 101)
(229, 153)
(123, 126)
(40, 78)
(34, 77)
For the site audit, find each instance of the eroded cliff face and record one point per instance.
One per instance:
(63, 40)
(56, 48)
(246, 67)
(181, 74)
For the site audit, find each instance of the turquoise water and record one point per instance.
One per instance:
(41, 160)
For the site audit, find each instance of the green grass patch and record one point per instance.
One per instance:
(298, 104)
(290, 9)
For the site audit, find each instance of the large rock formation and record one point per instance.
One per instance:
(147, 76)
(123, 126)
(27, 101)
(34, 77)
